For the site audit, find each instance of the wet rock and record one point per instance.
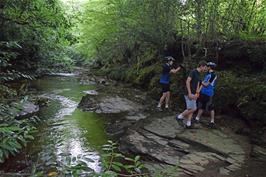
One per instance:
(27, 109)
(91, 92)
(136, 117)
(107, 105)
(258, 153)
(118, 127)
(63, 74)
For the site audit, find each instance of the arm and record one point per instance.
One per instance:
(175, 70)
(188, 87)
(203, 84)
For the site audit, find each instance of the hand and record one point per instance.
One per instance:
(191, 97)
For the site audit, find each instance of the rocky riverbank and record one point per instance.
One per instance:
(163, 143)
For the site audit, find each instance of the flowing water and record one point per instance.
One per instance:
(68, 139)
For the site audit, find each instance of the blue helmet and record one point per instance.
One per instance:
(211, 64)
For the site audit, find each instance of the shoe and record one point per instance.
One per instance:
(166, 107)
(196, 121)
(188, 127)
(212, 125)
(179, 116)
(180, 121)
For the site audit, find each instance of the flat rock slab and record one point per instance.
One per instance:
(108, 104)
(213, 139)
(196, 161)
(192, 149)
(153, 146)
(166, 126)
(116, 105)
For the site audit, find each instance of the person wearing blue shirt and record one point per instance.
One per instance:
(205, 101)
(165, 81)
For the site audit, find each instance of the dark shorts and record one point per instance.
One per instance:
(205, 102)
(165, 88)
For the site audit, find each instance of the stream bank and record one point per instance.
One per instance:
(164, 144)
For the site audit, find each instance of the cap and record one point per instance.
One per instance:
(211, 64)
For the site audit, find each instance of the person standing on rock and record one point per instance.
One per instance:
(165, 81)
(192, 93)
(205, 101)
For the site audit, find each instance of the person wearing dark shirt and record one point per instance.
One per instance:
(205, 101)
(165, 81)
(192, 91)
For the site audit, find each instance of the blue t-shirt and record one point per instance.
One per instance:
(209, 78)
(165, 76)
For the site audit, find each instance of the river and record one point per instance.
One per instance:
(67, 138)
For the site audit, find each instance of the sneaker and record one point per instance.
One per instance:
(196, 121)
(180, 117)
(166, 107)
(212, 125)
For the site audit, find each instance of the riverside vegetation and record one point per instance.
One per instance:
(126, 40)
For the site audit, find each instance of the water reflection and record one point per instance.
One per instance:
(73, 136)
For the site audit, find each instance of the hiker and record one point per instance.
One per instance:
(165, 81)
(192, 92)
(205, 101)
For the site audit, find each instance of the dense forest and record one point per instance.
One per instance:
(127, 40)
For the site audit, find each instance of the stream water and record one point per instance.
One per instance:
(68, 138)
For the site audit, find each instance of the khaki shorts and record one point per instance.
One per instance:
(191, 104)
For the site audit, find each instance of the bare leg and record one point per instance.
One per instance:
(162, 99)
(189, 116)
(187, 112)
(212, 116)
(200, 111)
(167, 99)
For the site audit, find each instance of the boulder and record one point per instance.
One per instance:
(27, 109)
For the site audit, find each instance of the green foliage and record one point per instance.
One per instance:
(116, 164)
(33, 38)
(245, 94)
(14, 134)
(116, 31)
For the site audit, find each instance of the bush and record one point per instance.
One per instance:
(242, 95)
